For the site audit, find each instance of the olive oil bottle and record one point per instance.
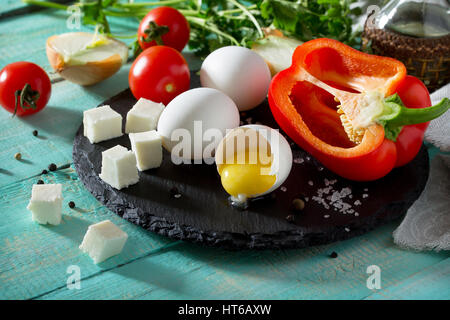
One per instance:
(416, 33)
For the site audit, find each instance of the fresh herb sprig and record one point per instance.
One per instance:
(218, 23)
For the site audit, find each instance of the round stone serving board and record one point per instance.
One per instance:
(202, 214)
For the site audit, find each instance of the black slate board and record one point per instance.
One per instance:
(202, 213)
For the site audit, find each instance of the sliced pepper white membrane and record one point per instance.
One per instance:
(358, 110)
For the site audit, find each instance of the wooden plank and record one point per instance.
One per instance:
(431, 283)
(32, 30)
(192, 272)
(58, 122)
(34, 258)
(8, 6)
(56, 125)
(15, 8)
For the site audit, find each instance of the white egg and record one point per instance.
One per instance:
(194, 122)
(280, 152)
(240, 73)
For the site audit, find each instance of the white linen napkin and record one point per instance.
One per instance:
(438, 133)
(426, 225)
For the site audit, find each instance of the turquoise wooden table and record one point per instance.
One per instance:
(34, 259)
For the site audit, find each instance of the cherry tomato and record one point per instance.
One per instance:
(25, 88)
(414, 94)
(163, 26)
(159, 74)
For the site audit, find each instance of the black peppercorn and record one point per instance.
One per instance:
(71, 204)
(40, 182)
(35, 133)
(52, 167)
(44, 171)
(333, 255)
(174, 193)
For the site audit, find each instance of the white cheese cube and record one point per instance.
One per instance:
(143, 116)
(102, 123)
(147, 146)
(103, 240)
(119, 167)
(46, 203)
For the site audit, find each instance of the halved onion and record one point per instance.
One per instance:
(276, 50)
(85, 58)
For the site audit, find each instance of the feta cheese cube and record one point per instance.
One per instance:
(143, 116)
(119, 167)
(103, 240)
(147, 146)
(46, 203)
(102, 123)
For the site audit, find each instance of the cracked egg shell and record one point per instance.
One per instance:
(277, 145)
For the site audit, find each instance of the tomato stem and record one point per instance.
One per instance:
(25, 98)
(154, 32)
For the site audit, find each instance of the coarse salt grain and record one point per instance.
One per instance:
(321, 201)
(329, 197)
(284, 189)
(298, 160)
(322, 191)
(310, 183)
(329, 182)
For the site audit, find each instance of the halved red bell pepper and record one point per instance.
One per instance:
(302, 101)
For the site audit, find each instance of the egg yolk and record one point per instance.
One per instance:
(246, 179)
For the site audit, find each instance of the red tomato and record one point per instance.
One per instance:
(414, 94)
(26, 80)
(163, 26)
(159, 74)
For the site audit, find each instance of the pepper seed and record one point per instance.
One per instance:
(40, 182)
(52, 167)
(35, 133)
(18, 156)
(71, 204)
(44, 171)
(333, 255)
(298, 204)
